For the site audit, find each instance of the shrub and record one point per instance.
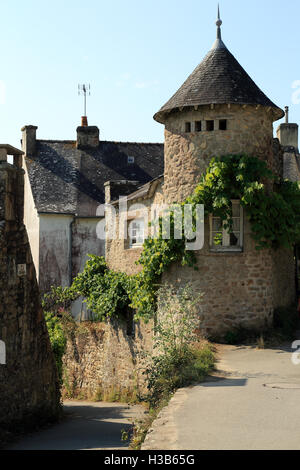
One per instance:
(176, 360)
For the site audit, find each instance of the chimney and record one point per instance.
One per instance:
(87, 136)
(287, 133)
(29, 140)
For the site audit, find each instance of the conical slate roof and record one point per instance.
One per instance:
(218, 79)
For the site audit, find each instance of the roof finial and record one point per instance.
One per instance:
(219, 24)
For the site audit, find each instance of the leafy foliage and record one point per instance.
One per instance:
(106, 291)
(57, 338)
(273, 206)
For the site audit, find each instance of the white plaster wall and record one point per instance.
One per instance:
(32, 222)
(85, 242)
(55, 250)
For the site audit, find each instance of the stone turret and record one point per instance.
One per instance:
(218, 110)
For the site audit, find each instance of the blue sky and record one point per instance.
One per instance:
(135, 54)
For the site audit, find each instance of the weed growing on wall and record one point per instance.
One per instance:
(176, 360)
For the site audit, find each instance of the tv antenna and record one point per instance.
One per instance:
(84, 90)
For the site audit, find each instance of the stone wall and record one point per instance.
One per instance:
(187, 155)
(29, 391)
(291, 165)
(240, 289)
(102, 360)
(119, 256)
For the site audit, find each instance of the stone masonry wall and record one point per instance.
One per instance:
(29, 391)
(240, 289)
(102, 359)
(187, 155)
(118, 255)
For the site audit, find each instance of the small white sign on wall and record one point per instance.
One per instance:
(21, 270)
(2, 353)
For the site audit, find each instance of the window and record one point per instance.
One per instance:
(210, 126)
(223, 125)
(188, 127)
(136, 233)
(198, 126)
(131, 160)
(220, 238)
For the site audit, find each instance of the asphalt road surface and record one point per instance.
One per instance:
(87, 426)
(251, 403)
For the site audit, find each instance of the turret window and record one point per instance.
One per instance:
(223, 125)
(223, 240)
(198, 126)
(188, 127)
(210, 126)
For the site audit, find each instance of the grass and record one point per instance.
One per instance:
(112, 394)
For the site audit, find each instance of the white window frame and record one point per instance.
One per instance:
(225, 246)
(139, 239)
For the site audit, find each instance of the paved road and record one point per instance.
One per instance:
(252, 402)
(87, 426)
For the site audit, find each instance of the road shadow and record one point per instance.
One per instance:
(213, 381)
(84, 427)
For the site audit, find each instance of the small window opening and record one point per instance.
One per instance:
(223, 125)
(131, 160)
(198, 126)
(188, 127)
(136, 230)
(210, 126)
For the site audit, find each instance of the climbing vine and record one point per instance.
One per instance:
(272, 206)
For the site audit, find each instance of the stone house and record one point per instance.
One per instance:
(219, 110)
(64, 187)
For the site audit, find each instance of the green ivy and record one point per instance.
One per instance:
(272, 206)
(57, 338)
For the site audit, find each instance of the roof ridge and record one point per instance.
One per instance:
(101, 141)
